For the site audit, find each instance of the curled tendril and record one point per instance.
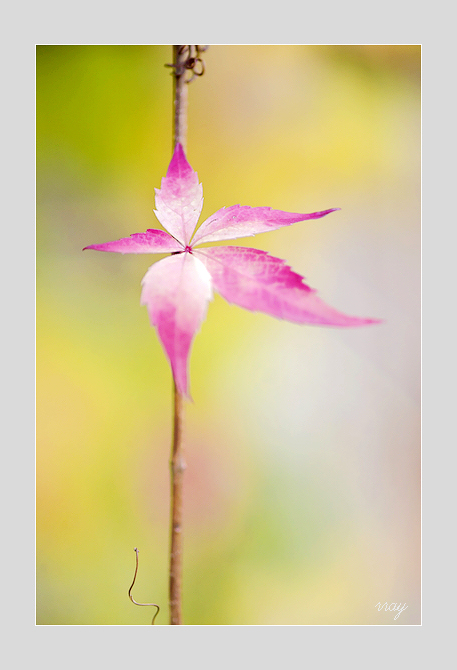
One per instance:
(192, 61)
(130, 591)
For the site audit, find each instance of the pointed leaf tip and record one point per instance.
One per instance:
(253, 279)
(179, 201)
(176, 291)
(179, 165)
(236, 221)
(150, 242)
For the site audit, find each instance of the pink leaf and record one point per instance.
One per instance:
(242, 221)
(150, 242)
(259, 282)
(177, 290)
(180, 200)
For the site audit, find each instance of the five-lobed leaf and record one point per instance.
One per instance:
(177, 289)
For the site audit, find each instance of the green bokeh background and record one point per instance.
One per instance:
(302, 491)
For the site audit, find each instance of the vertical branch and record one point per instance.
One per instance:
(185, 58)
(177, 464)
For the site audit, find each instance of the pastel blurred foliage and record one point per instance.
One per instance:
(302, 492)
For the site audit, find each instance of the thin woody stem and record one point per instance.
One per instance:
(185, 58)
(177, 464)
(180, 55)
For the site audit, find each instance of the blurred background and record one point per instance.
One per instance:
(302, 489)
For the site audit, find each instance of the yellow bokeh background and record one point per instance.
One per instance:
(302, 489)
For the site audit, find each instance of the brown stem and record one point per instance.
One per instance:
(180, 55)
(177, 464)
(185, 57)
